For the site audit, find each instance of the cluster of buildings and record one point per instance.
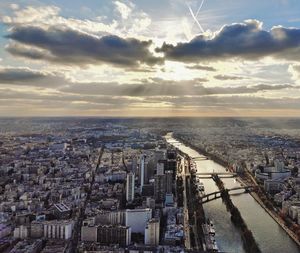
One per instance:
(42, 188)
(286, 194)
(88, 189)
(127, 211)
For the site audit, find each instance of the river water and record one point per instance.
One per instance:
(269, 235)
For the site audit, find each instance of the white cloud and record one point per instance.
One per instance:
(132, 22)
(14, 6)
(123, 9)
(294, 70)
(31, 15)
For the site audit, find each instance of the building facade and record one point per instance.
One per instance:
(130, 184)
(160, 188)
(54, 229)
(137, 219)
(114, 235)
(152, 232)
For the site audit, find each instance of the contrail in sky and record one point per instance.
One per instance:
(197, 13)
(199, 9)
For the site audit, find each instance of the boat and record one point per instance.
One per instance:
(209, 236)
(200, 186)
(211, 228)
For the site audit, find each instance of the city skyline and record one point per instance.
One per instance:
(142, 58)
(74, 185)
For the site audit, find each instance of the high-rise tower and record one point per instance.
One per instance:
(130, 187)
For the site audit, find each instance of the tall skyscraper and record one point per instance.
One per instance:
(172, 161)
(130, 187)
(169, 181)
(134, 165)
(142, 171)
(149, 171)
(160, 188)
(152, 232)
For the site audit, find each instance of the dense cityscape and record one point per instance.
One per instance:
(125, 185)
(137, 126)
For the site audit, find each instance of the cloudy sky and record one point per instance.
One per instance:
(150, 58)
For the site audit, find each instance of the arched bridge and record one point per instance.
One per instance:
(217, 194)
(220, 175)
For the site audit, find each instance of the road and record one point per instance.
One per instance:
(192, 205)
(187, 240)
(77, 227)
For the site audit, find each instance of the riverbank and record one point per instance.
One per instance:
(219, 161)
(276, 218)
(195, 212)
(273, 215)
(202, 151)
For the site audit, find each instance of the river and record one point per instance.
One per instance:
(269, 235)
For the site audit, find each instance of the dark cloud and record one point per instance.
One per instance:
(12, 75)
(64, 45)
(153, 87)
(228, 77)
(29, 77)
(265, 87)
(106, 97)
(28, 52)
(246, 40)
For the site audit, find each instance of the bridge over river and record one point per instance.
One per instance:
(218, 194)
(207, 175)
(270, 236)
